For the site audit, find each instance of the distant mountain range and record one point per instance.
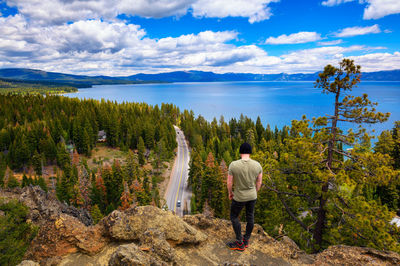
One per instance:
(177, 76)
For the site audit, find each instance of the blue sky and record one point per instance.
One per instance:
(123, 37)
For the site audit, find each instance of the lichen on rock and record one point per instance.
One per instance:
(131, 224)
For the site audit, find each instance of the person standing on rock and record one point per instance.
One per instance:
(246, 174)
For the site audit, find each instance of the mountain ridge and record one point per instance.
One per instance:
(25, 74)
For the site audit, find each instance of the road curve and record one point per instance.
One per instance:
(177, 187)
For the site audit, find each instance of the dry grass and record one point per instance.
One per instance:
(105, 154)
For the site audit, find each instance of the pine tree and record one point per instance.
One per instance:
(141, 151)
(96, 214)
(259, 129)
(20, 152)
(16, 233)
(64, 186)
(312, 175)
(37, 162)
(126, 198)
(98, 194)
(3, 168)
(396, 149)
(42, 183)
(195, 181)
(12, 182)
(63, 157)
(25, 181)
(130, 168)
(48, 148)
(385, 143)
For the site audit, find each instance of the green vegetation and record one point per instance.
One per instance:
(315, 190)
(25, 87)
(15, 232)
(321, 193)
(37, 131)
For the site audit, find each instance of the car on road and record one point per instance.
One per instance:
(178, 204)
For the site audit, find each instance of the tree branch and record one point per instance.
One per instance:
(289, 211)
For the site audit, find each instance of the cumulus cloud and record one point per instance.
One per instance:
(312, 60)
(380, 8)
(101, 47)
(300, 37)
(106, 47)
(378, 61)
(255, 10)
(62, 11)
(375, 9)
(354, 31)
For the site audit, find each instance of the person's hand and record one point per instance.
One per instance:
(230, 196)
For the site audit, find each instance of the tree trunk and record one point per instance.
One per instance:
(320, 224)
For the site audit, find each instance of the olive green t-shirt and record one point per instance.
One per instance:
(245, 173)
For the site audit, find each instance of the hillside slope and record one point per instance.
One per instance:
(148, 235)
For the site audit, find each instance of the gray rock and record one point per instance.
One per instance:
(131, 224)
(130, 255)
(28, 263)
(42, 206)
(155, 240)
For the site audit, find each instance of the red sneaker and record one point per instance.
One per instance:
(236, 245)
(245, 242)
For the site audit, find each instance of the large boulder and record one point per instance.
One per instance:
(63, 234)
(131, 224)
(131, 255)
(43, 205)
(154, 241)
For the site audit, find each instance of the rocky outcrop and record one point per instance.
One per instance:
(151, 236)
(131, 255)
(131, 224)
(43, 205)
(356, 256)
(63, 234)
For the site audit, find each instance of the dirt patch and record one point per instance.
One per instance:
(104, 154)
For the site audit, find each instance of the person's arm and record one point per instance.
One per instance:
(259, 181)
(229, 183)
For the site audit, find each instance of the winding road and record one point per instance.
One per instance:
(177, 190)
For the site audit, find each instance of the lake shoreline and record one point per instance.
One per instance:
(277, 103)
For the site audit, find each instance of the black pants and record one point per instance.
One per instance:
(236, 207)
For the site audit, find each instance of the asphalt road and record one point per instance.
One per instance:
(177, 187)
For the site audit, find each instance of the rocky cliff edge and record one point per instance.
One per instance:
(150, 236)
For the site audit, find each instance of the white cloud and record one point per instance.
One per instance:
(96, 47)
(52, 12)
(255, 10)
(354, 31)
(380, 8)
(334, 2)
(62, 11)
(154, 9)
(375, 9)
(378, 61)
(113, 47)
(300, 37)
(334, 42)
(312, 60)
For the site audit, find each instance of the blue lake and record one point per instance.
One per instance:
(277, 103)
